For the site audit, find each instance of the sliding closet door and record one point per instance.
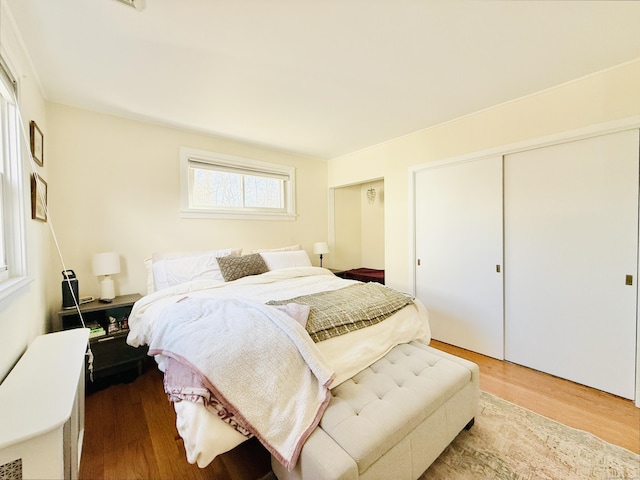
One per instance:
(571, 243)
(459, 253)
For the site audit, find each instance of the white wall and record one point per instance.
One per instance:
(610, 95)
(345, 249)
(23, 315)
(114, 186)
(372, 226)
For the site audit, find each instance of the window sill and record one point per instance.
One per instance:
(236, 215)
(13, 285)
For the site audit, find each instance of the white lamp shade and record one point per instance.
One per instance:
(106, 263)
(320, 248)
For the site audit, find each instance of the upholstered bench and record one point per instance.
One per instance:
(392, 420)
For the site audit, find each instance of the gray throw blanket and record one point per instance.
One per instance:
(347, 309)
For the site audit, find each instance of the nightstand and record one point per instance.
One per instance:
(108, 340)
(336, 272)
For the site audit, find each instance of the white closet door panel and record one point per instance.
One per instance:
(459, 245)
(571, 237)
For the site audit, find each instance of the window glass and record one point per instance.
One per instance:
(12, 209)
(217, 185)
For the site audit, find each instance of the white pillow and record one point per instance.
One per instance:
(286, 259)
(168, 271)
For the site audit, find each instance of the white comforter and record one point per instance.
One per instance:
(205, 436)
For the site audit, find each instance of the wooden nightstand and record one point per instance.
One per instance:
(111, 353)
(337, 272)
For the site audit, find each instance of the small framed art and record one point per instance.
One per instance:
(38, 198)
(37, 143)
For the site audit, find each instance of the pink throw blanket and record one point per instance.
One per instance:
(256, 360)
(182, 383)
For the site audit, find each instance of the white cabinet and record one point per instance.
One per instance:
(42, 414)
(570, 245)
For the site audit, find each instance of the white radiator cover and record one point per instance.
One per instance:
(42, 413)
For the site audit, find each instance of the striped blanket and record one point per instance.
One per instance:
(341, 311)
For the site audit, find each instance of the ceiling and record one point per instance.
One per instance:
(318, 77)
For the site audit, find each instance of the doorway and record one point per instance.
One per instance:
(358, 226)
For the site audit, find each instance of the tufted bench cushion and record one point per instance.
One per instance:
(382, 404)
(373, 417)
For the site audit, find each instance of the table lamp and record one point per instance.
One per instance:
(106, 264)
(320, 248)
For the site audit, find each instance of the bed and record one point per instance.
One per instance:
(251, 345)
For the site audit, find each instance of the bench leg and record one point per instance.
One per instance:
(470, 424)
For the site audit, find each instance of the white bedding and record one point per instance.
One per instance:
(205, 436)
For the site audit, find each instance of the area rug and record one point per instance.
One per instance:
(510, 442)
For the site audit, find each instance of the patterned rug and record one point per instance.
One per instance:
(510, 442)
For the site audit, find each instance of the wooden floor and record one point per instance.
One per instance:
(130, 427)
(611, 418)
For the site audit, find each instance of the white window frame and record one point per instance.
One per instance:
(189, 156)
(13, 274)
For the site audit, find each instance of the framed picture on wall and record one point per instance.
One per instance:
(38, 198)
(37, 143)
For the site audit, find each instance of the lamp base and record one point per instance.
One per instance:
(107, 290)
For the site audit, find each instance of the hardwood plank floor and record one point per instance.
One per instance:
(130, 433)
(607, 416)
(130, 428)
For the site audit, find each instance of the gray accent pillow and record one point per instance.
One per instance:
(233, 268)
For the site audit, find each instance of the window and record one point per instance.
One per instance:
(12, 210)
(220, 186)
